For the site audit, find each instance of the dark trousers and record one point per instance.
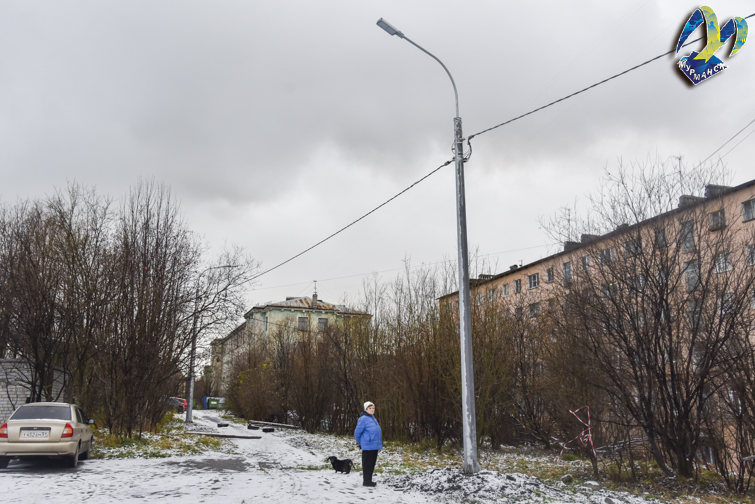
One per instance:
(369, 459)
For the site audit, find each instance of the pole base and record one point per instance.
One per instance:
(470, 468)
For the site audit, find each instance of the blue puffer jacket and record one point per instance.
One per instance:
(368, 432)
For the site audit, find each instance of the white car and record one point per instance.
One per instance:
(46, 429)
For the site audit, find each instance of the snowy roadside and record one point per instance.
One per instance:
(281, 467)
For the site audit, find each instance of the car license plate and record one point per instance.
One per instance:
(35, 434)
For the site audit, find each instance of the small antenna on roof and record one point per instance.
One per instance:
(315, 281)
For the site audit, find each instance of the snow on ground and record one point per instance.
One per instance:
(287, 467)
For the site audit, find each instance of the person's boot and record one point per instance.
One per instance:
(369, 484)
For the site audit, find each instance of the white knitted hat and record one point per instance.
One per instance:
(367, 405)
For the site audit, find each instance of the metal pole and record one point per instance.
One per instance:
(469, 433)
(469, 425)
(190, 399)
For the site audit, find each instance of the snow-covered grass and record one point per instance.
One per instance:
(524, 471)
(289, 466)
(170, 440)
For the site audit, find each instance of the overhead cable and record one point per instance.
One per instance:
(470, 147)
(587, 88)
(351, 223)
(729, 140)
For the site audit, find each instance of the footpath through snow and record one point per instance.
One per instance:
(286, 467)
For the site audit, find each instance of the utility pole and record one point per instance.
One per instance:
(190, 398)
(469, 424)
(469, 427)
(192, 360)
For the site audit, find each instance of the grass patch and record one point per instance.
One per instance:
(168, 440)
(316, 467)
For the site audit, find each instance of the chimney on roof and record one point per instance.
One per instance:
(588, 238)
(314, 300)
(686, 200)
(714, 191)
(513, 267)
(570, 245)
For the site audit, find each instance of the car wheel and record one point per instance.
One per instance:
(85, 455)
(4, 462)
(73, 460)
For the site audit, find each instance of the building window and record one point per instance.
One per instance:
(607, 256)
(660, 238)
(609, 291)
(752, 299)
(505, 290)
(750, 252)
(552, 306)
(517, 286)
(567, 272)
(717, 220)
(726, 303)
(303, 323)
(533, 281)
(748, 210)
(322, 324)
(694, 311)
(586, 262)
(662, 277)
(688, 236)
(518, 313)
(723, 264)
(478, 297)
(492, 294)
(534, 310)
(549, 276)
(636, 283)
(691, 275)
(633, 247)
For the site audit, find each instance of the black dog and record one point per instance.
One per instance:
(343, 466)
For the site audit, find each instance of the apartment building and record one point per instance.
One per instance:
(293, 316)
(661, 311)
(723, 221)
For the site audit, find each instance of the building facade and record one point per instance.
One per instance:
(15, 386)
(292, 317)
(527, 290)
(662, 314)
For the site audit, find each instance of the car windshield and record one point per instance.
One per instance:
(30, 412)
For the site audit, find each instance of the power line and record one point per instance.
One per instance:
(469, 139)
(737, 144)
(351, 223)
(445, 261)
(585, 89)
(729, 140)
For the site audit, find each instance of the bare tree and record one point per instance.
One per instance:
(658, 304)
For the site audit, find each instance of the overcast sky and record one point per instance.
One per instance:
(276, 123)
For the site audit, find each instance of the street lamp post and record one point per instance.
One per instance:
(190, 398)
(469, 464)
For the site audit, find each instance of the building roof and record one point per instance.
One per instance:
(685, 203)
(302, 303)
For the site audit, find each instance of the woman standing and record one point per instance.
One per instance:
(369, 438)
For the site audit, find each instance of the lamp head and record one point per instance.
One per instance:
(385, 25)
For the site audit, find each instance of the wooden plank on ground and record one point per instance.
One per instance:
(217, 434)
(273, 424)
